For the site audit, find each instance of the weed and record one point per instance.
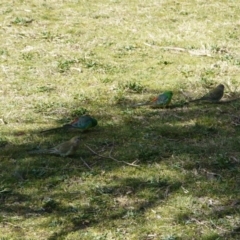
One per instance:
(78, 112)
(136, 87)
(22, 21)
(64, 65)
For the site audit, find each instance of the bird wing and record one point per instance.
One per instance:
(83, 122)
(54, 150)
(39, 151)
(63, 149)
(214, 95)
(66, 126)
(51, 129)
(162, 99)
(142, 104)
(207, 96)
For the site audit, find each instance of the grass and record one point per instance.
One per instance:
(61, 59)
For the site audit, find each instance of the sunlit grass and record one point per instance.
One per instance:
(62, 59)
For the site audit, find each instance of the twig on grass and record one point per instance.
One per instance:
(110, 157)
(192, 52)
(86, 164)
(174, 49)
(179, 49)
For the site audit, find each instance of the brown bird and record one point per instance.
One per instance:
(64, 149)
(213, 96)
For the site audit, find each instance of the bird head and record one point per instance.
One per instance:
(94, 122)
(169, 93)
(221, 86)
(75, 139)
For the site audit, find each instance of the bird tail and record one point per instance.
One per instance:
(53, 151)
(196, 100)
(141, 104)
(51, 129)
(64, 127)
(39, 151)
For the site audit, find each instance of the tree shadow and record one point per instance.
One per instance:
(183, 139)
(122, 205)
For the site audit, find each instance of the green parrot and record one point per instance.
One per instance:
(213, 96)
(162, 100)
(83, 123)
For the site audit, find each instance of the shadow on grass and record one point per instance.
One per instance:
(118, 207)
(197, 140)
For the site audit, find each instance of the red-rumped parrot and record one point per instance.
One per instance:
(64, 149)
(162, 100)
(84, 122)
(213, 96)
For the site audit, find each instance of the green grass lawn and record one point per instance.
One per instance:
(61, 59)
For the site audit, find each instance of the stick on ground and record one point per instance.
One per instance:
(110, 157)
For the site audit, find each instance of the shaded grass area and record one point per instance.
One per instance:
(63, 59)
(187, 175)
